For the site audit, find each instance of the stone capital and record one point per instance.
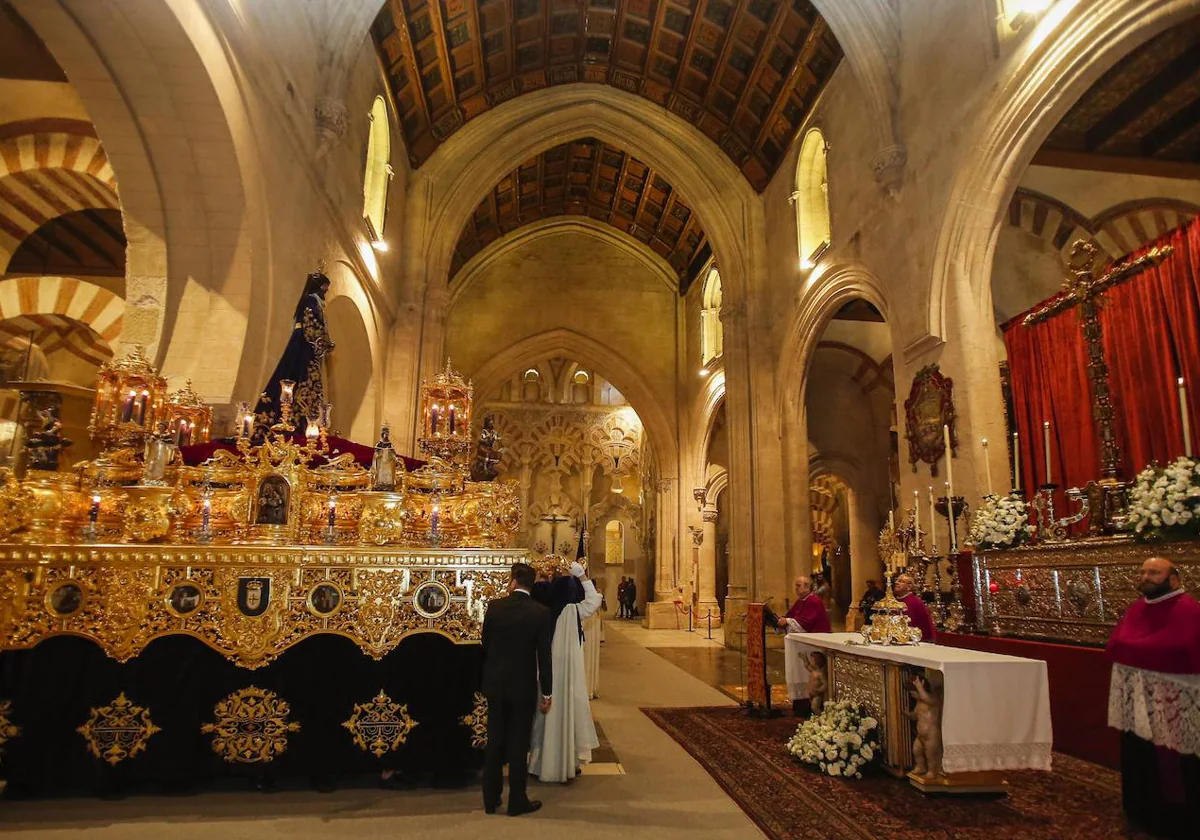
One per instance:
(665, 485)
(697, 535)
(709, 514)
(332, 121)
(888, 168)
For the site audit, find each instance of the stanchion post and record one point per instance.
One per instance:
(709, 617)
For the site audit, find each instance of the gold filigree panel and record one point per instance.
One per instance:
(861, 681)
(118, 731)
(249, 603)
(476, 721)
(1074, 592)
(380, 726)
(251, 726)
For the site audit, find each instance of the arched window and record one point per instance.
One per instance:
(812, 199)
(379, 170)
(712, 339)
(614, 544)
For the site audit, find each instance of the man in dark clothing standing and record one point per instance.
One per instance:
(517, 632)
(622, 587)
(631, 599)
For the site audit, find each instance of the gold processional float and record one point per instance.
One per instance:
(256, 549)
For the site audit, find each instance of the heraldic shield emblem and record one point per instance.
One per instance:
(253, 595)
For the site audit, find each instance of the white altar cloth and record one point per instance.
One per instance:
(996, 714)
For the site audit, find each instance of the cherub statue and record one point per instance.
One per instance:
(927, 712)
(46, 443)
(818, 682)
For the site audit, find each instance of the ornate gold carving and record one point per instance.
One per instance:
(8, 730)
(16, 505)
(118, 731)
(476, 721)
(380, 725)
(1071, 591)
(146, 517)
(122, 597)
(860, 681)
(252, 726)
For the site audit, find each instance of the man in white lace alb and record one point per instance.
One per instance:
(1155, 702)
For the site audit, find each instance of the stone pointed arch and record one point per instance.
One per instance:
(462, 170)
(833, 288)
(1069, 50)
(869, 34)
(610, 364)
(530, 233)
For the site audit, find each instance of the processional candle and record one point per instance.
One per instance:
(332, 512)
(1016, 461)
(916, 513)
(1184, 420)
(950, 515)
(932, 521)
(987, 465)
(94, 512)
(1046, 441)
(127, 407)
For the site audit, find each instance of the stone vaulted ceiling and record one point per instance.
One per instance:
(744, 72)
(589, 178)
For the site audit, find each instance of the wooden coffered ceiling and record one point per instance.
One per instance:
(1147, 106)
(589, 178)
(744, 72)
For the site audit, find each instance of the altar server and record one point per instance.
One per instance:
(564, 737)
(918, 613)
(1154, 700)
(807, 613)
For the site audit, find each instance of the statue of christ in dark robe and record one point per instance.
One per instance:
(303, 360)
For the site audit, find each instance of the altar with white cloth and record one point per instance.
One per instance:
(996, 713)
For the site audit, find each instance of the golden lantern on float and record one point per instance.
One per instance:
(129, 401)
(446, 417)
(188, 419)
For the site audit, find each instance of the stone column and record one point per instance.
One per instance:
(864, 552)
(708, 568)
(660, 614)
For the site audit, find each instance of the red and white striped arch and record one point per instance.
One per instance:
(49, 168)
(63, 315)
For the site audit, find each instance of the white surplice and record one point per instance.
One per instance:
(593, 635)
(564, 737)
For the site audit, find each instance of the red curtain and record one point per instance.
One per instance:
(1151, 329)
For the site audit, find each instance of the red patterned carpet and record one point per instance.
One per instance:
(1078, 801)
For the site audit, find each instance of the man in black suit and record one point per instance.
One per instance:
(516, 656)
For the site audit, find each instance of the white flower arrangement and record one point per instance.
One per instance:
(1002, 522)
(1165, 501)
(841, 740)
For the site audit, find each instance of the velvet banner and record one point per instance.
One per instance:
(1151, 326)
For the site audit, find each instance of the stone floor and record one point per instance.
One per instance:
(643, 784)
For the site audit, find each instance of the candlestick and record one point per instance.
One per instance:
(932, 522)
(949, 456)
(1184, 420)
(94, 512)
(1016, 461)
(987, 465)
(433, 519)
(1046, 440)
(950, 517)
(332, 512)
